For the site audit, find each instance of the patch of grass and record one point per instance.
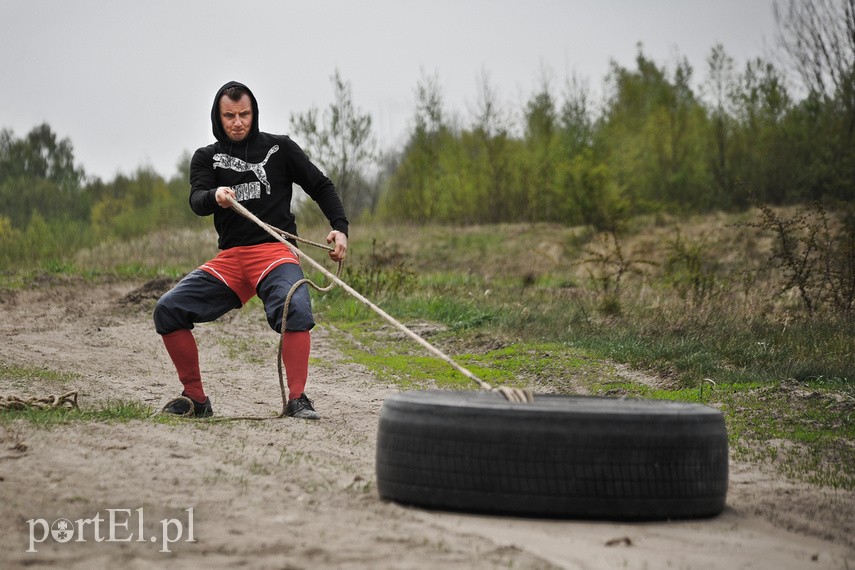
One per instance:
(459, 315)
(145, 272)
(445, 282)
(113, 411)
(257, 468)
(12, 280)
(55, 266)
(247, 349)
(411, 372)
(71, 274)
(157, 251)
(340, 309)
(803, 430)
(220, 476)
(290, 458)
(22, 376)
(541, 366)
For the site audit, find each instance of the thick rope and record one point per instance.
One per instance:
(511, 394)
(285, 306)
(67, 400)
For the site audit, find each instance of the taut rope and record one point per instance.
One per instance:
(511, 394)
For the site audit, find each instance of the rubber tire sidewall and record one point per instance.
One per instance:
(562, 456)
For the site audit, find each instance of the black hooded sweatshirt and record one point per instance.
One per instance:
(261, 169)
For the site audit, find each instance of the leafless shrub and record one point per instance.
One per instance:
(814, 251)
(608, 265)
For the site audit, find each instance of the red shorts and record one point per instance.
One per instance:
(242, 268)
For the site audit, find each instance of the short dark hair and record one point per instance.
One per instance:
(235, 92)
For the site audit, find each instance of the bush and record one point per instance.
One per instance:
(815, 252)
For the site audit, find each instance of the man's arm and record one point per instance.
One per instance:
(317, 186)
(203, 183)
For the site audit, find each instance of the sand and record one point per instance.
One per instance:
(285, 493)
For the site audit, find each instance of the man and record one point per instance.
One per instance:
(257, 169)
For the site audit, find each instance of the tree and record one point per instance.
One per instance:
(576, 121)
(37, 175)
(819, 38)
(343, 143)
(653, 136)
(430, 111)
(763, 154)
(414, 190)
(720, 88)
(491, 160)
(39, 155)
(539, 176)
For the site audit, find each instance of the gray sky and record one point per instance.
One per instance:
(132, 83)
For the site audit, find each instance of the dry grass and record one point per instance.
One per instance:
(161, 251)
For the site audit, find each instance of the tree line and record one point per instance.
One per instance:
(661, 137)
(51, 208)
(658, 139)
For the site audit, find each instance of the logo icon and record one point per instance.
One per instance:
(62, 530)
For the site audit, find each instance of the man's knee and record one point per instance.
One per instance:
(300, 316)
(168, 317)
(274, 290)
(198, 297)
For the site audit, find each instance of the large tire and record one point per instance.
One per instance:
(560, 456)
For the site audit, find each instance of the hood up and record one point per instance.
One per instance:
(217, 125)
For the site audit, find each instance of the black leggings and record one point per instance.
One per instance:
(200, 298)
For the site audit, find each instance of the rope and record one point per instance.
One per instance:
(510, 394)
(68, 400)
(285, 306)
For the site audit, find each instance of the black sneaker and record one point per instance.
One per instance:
(181, 407)
(302, 408)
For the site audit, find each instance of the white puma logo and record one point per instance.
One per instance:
(228, 162)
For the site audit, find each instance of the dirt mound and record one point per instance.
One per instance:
(149, 292)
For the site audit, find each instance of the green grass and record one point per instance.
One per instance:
(20, 376)
(17, 380)
(40, 276)
(815, 423)
(411, 372)
(519, 304)
(113, 411)
(455, 314)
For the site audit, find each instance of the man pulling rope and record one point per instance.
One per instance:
(257, 169)
(245, 180)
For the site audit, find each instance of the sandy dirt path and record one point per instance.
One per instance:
(294, 494)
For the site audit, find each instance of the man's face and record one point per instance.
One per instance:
(236, 117)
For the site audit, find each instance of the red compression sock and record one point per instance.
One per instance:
(295, 356)
(181, 346)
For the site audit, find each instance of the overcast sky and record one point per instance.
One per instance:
(132, 83)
